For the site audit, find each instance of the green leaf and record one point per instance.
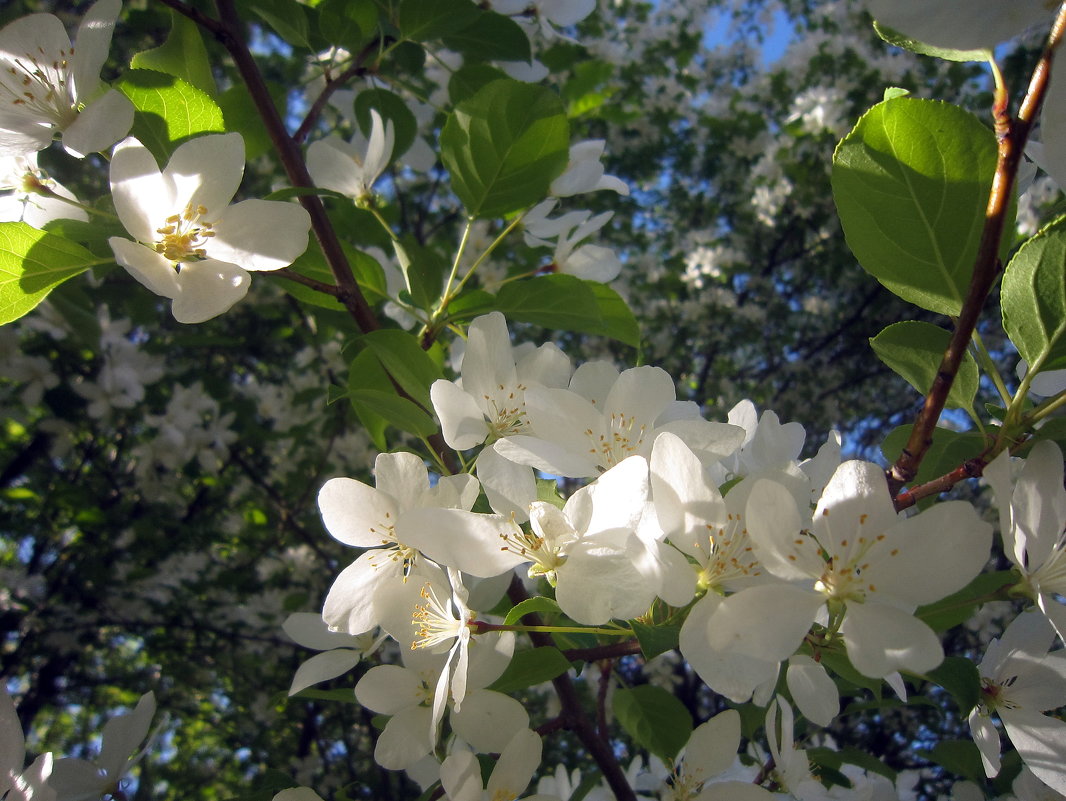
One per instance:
(182, 55)
(405, 361)
(535, 666)
(914, 350)
(536, 604)
(168, 111)
(504, 146)
(241, 116)
(472, 303)
(960, 606)
(654, 718)
(959, 676)
(619, 322)
(391, 107)
(469, 78)
(365, 372)
(491, 37)
(397, 411)
(287, 18)
(961, 757)
(312, 264)
(347, 23)
(32, 264)
(911, 183)
(655, 640)
(1033, 298)
(894, 37)
(553, 301)
(423, 20)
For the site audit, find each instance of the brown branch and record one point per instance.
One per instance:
(572, 716)
(292, 275)
(355, 69)
(1012, 136)
(972, 468)
(228, 32)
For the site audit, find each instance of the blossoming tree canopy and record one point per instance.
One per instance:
(465, 496)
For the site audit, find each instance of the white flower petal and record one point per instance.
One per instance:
(309, 630)
(322, 667)
(1041, 742)
(489, 718)
(355, 513)
(92, 43)
(712, 747)
(389, 689)
(767, 622)
(510, 487)
(467, 541)
(123, 735)
(208, 288)
(260, 234)
(881, 639)
(143, 199)
(460, 776)
(405, 739)
(99, 125)
(516, 765)
(206, 171)
(147, 266)
(461, 420)
(813, 691)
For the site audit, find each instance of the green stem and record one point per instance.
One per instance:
(1047, 407)
(989, 366)
(482, 628)
(44, 191)
(488, 251)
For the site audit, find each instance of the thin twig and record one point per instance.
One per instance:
(355, 69)
(1012, 136)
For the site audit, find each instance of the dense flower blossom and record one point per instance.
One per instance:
(49, 87)
(191, 246)
(857, 563)
(605, 416)
(382, 586)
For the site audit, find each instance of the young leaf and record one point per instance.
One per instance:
(182, 55)
(491, 37)
(469, 78)
(1034, 298)
(404, 360)
(959, 676)
(535, 666)
(655, 640)
(168, 111)
(654, 718)
(914, 349)
(32, 263)
(537, 603)
(397, 411)
(504, 146)
(553, 301)
(911, 183)
(423, 20)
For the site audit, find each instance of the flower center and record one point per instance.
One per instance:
(184, 235)
(506, 411)
(623, 438)
(434, 622)
(41, 88)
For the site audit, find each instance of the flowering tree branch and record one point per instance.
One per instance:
(1011, 135)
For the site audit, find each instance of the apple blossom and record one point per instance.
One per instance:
(190, 246)
(382, 585)
(349, 167)
(856, 562)
(32, 197)
(1033, 525)
(584, 173)
(1020, 680)
(460, 773)
(80, 779)
(606, 416)
(588, 261)
(49, 87)
(17, 782)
